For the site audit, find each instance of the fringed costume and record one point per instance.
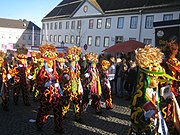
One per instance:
(91, 83)
(105, 83)
(4, 91)
(20, 74)
(72, 87)
(47, 82)
(146, 113)
(170, 108)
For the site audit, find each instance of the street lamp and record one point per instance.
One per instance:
(62, 43)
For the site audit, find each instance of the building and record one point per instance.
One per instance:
(18, 33)
(97, 24)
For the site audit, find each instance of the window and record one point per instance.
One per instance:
(91, 22)
(149, 22)
(73, 25)
(72, 39)
(79, 24)
(67, 25)
(97, 41)
(60, 25)
(30, 37)
(89, 40)
(77, 40)
(55, 25)
(43, 26)
(108, 23)
(106, 41)
(50, 38)
(134, 21)
(51, 27)
(55, 38)
(147, 41)
(131, 38)
(47, 26)
(66, 38)
(43, 37)
(120, 23)
(47, 38)
(168, 17)
(99, 23)
(59, 38)
(119, 39)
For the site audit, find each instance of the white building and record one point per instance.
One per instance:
(18, 33)
(103, 23)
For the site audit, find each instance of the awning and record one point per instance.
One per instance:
(125, 47)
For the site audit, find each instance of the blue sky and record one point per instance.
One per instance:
(31, 10)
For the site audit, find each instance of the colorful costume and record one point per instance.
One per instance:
(91, 83)
(20, 74)
(146, 114)
(47, 82)
(170, 107)
(105, 83)
(71, 86)
(4, 91)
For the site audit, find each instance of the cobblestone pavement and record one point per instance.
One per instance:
(19, 120)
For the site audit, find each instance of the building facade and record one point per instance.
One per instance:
(18, 33)
(96, 25)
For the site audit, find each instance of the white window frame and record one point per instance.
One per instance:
(99, 23)
(59, 38)
(108, 23)
(91, 23)
(120, 23)
(147, 41)
(89, 40)
(66, 39)
(97, 41)
(134, 22)
(73, 25)
(106, 41)
(167, 17)
(149, 21)
(60, 25)
(72, 39)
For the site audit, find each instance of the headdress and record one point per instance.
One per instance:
(21, 53)
(60, 57)
(149, 59)
(1, 56)
(33, 53)
(48, 51)
(73, 53)
(105, 64)
(91, 57)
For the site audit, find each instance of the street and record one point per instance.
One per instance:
(20, 120)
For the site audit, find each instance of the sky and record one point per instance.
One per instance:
(31, 10)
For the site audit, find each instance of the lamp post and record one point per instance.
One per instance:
(62, 44)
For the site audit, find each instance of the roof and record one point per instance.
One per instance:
(125, 47)
(67, 7)
(20, 24)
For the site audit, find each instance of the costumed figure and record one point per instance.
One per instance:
(47, 82)
(171, 98)
(91, 83)
(146, 114)
(105, 83)
(19, 74)
(72, 86)
(4, 78)
(35, 66)
(60, 65)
